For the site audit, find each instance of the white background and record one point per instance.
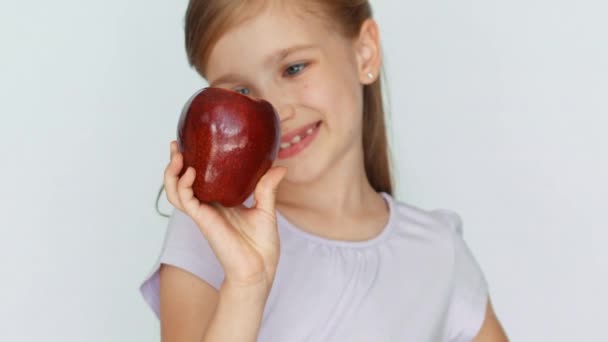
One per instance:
(499, 112)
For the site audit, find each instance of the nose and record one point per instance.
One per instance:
(285, 111)
(282, 103)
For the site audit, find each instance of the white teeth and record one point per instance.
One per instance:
(297, 139)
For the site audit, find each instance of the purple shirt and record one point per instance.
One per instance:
(415, 281)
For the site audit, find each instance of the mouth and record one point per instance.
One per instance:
(296, 141)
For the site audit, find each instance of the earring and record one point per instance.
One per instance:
(370, 75)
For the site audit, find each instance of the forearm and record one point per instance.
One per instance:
(237, 317)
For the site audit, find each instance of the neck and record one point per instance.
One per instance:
(344, 187)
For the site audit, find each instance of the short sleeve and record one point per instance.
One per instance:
(184, 247)
(469, 296)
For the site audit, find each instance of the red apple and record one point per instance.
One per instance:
(231, 140)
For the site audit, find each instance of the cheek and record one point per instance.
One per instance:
(337, 101)
(316, 96)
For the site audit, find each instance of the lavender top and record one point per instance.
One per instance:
(415, 281)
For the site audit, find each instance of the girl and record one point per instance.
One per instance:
(321, 251)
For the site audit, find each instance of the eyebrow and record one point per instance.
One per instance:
(284, 53)
(228, 78)
(273, 58)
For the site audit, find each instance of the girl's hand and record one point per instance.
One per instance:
(245, 240)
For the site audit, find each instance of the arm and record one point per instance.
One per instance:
(491, 330)
(238, 315)
(187, 305)
(192, 310)
(244, 240)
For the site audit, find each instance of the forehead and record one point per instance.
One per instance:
(275, 28)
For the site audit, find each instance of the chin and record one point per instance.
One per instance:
(303, 172)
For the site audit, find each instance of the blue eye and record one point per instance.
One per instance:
(294, 69)
(243, 91)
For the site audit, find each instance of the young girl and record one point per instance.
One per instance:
(321, 251)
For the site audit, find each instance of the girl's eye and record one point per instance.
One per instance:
(243, 91)
(294, 69)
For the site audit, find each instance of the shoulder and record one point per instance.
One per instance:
(439, 234)
(438, 223)
(443, 230)
(433, 235)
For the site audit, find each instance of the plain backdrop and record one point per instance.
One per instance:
(498, 111)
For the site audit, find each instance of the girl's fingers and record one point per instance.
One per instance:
(171, 176)
(185, 193)
(216, 229)
(210, 221)
(173, 147)
(266, 189)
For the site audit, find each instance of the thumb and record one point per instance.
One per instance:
(266, 190)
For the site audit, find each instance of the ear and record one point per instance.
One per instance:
(369, 56)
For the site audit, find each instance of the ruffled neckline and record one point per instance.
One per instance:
(284, 222)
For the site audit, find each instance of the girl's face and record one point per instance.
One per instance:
(313, 77)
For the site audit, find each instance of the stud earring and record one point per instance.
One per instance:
(370, 75)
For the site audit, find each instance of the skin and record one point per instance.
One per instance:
(326, 87)
(309, 73)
